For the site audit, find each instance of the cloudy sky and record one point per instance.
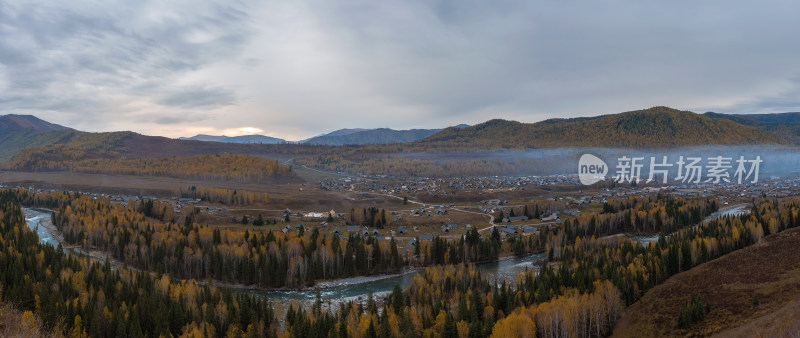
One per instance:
(295, 69)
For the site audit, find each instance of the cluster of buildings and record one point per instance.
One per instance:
(445, 186)
(524, 230)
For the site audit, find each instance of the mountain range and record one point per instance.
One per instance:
(373, 136)
(29, 143)
(784, 125)
(653, 127)
(348, 136)
(260, 139)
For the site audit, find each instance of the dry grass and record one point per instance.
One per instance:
(769, 270)
(283, 193)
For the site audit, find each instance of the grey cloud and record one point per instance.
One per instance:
(529, 60)
(311, 66)
(198, 97)
(88, 59)
(170, 120)
(538, 56)
(182, 118)
(787, 100)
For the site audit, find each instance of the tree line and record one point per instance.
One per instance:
(236, 168)
(145, 235)
(458, 301)
(223, 196)
(80, 297)
(579, 294)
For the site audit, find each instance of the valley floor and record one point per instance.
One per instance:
(768, 270)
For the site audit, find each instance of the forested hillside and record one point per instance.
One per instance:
(657, 127)
(146, 235)
(581, 295)
(785, 125)
(372, 136)
(79, 297)
(21, 131)
(654, 127)
(72, 146)
(238, 168)
(260, 139)
(751, 293)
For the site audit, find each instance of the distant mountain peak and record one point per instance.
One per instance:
(28, 122)
(370, 136)
(784, 125)
(653, 127)
(345, 131)
(259, 139)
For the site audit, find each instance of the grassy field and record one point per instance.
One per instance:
(284, 193)
(769, 271)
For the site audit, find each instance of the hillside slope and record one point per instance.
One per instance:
(49, 154)
(20, 131)
(372, 136)
(791, 117)
(45, 144)
(261, 139)
(339, 132)
(784, 125)
(12, 122)
(767, 270)
(654, 127)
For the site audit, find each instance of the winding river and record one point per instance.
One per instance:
(335, 291)
(357, 288)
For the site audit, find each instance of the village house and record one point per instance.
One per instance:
(425, 238)
(516, 219)
(550, 218)
(528, 231)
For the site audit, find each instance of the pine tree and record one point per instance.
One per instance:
(450, 329)
(371, 333)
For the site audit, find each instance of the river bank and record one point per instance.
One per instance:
(730, 210)
(40, 220)
(332, 293)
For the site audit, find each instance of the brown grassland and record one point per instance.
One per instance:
(768, 270)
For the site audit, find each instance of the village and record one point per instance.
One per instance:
(419, 221)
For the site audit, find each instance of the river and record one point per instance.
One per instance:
(358, 288)
(32, 218)
(729, 210)
(335, 291)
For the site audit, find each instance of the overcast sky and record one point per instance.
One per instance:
(295, 69)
